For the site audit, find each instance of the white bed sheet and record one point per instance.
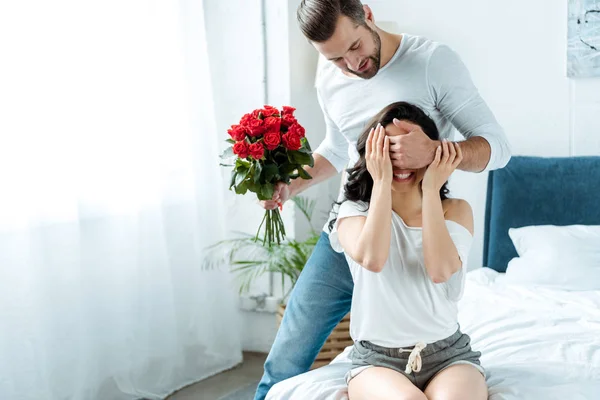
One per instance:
(536, 343)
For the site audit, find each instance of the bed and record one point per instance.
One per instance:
(537, 342)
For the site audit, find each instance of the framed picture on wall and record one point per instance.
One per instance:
(583, 52)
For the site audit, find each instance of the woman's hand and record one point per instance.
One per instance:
(377, 155)
(447, 157)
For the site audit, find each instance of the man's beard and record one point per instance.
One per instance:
(375, 59)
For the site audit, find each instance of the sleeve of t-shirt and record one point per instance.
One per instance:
(346, 209)
(335, 145)
(462, 239)
(459, 101)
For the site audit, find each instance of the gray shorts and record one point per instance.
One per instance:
(435, 357)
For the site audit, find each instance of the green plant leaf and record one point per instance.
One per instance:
(305, 144)
(267, 191)
(249, 259)
(240, 177)
(306, 206)
(257, 171)
(241, 165)
(230, 141)
(303, 174)
(297, 157)
(242, 188)
(269, 172)
(234, 174)
(253, 186)
(287, 168)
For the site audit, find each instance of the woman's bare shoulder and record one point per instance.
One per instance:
(459, 211)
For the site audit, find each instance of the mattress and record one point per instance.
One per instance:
(536, 343)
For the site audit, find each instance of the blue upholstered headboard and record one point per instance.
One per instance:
(538, 191)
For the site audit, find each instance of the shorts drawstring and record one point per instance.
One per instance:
(414, 362)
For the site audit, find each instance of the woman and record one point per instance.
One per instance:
(407, 246)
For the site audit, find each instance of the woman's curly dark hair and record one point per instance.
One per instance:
(360, 183)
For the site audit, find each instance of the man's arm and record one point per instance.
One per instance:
(476, 152)
(321, 171)
(486, 146)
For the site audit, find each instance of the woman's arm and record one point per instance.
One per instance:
(367, 239)
(440, 253)
(441, 256)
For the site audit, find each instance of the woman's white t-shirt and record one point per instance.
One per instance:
(401, 306)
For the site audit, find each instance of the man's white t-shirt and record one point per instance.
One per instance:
(400, 306)
(422, 72)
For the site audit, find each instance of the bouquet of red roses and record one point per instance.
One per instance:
(269, 146)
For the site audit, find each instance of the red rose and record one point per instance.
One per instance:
(255, 127)
(272, 124)
(297, 129)
(237, 132)
(288, 120)
(257, 151)
(241, 149)
(287, 110)
(291, 141)
(246, 119)
(272, 140)
(269, 111)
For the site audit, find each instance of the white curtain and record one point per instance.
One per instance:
(109, 191)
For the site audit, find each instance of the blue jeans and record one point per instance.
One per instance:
(320, 299)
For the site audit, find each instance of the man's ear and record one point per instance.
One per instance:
(369, 15)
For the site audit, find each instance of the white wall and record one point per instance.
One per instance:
(516, 52)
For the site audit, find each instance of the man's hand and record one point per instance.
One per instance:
(281, 194)
(412, 150)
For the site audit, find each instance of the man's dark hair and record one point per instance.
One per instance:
(318, 18)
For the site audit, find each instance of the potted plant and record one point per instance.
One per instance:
(249, 259)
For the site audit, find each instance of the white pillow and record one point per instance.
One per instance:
(565, 257)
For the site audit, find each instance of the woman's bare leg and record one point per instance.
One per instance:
(458, 382)
(377, 383)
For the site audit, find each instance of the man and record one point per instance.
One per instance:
(368, 69)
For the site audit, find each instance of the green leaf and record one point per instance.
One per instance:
(254, 187)
(287, 168)
(242, 188)
(239, 178)
(305, 144)
(234, 174)
(280, 156)
(269, 172)
(267, 191)
(303, 174)
(306, 206)
(231, 141)
(257, 171)
(241, 164)
(301, 158)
